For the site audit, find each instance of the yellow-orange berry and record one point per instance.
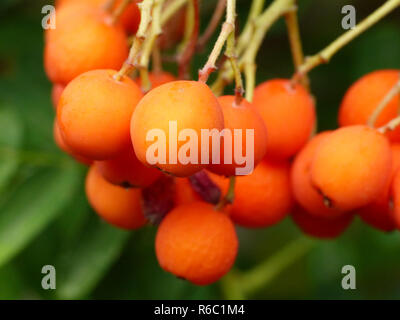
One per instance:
(94, 113)
(243, 117)
(197, 243)
(289, 115)
(118, 206)
(351, 167)
(185, 107)
(83, 40)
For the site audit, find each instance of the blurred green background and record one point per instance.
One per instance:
(45, 218)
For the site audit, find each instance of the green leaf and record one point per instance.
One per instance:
(11, 137)
(32, 207)
(85, 264)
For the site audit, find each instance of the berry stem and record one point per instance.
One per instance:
(116, 14)
(218, 13)
(250, 74)
(385, 101)
(227, 28)
(191, 36)
(145, 19)
(149, 43)
(230, 53)
(255, 10)
(327, 53)
(251, 39)
(390, 126)
(230, 195)
(261, 275)
(296, 47)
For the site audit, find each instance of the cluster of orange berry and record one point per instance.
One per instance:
(103, 119)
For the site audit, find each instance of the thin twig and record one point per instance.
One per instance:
(218, 13)
(325, 55)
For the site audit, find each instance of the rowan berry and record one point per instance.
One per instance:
(262, 198)
(289, 114)
(127, 171)
(362, 98)
(351, 167)
(197, 243)
(243, 117)
(175, 114)
(118, 206)
(56, 93)
(83, 40)
(94, 113)
(303, 190)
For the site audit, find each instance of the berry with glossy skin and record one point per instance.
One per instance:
(116, 205)
(243, 117)
(59, 140)
(303, 190)
(191, 106)
(56, 93)
(365, 95)
(351, 167)
(197, 243)
(379, 214)
(127, 171)
(94, 114)
(319, 227)
(288, 113)
(83, 40)
(263, 198)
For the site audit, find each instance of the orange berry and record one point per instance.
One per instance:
(116, 205)
(129, 19)
(379, 214)
(365, 95)
(56, 93)
(157, 79)
(242, 117)
(319, 227)
(197, 243)
(303, 190)
(127, 171)
(94, 113)
(186, 104)
(59, 140)
(288, 113)
(351, 167)
(184, 193)
(83, 40)
(263, 198)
